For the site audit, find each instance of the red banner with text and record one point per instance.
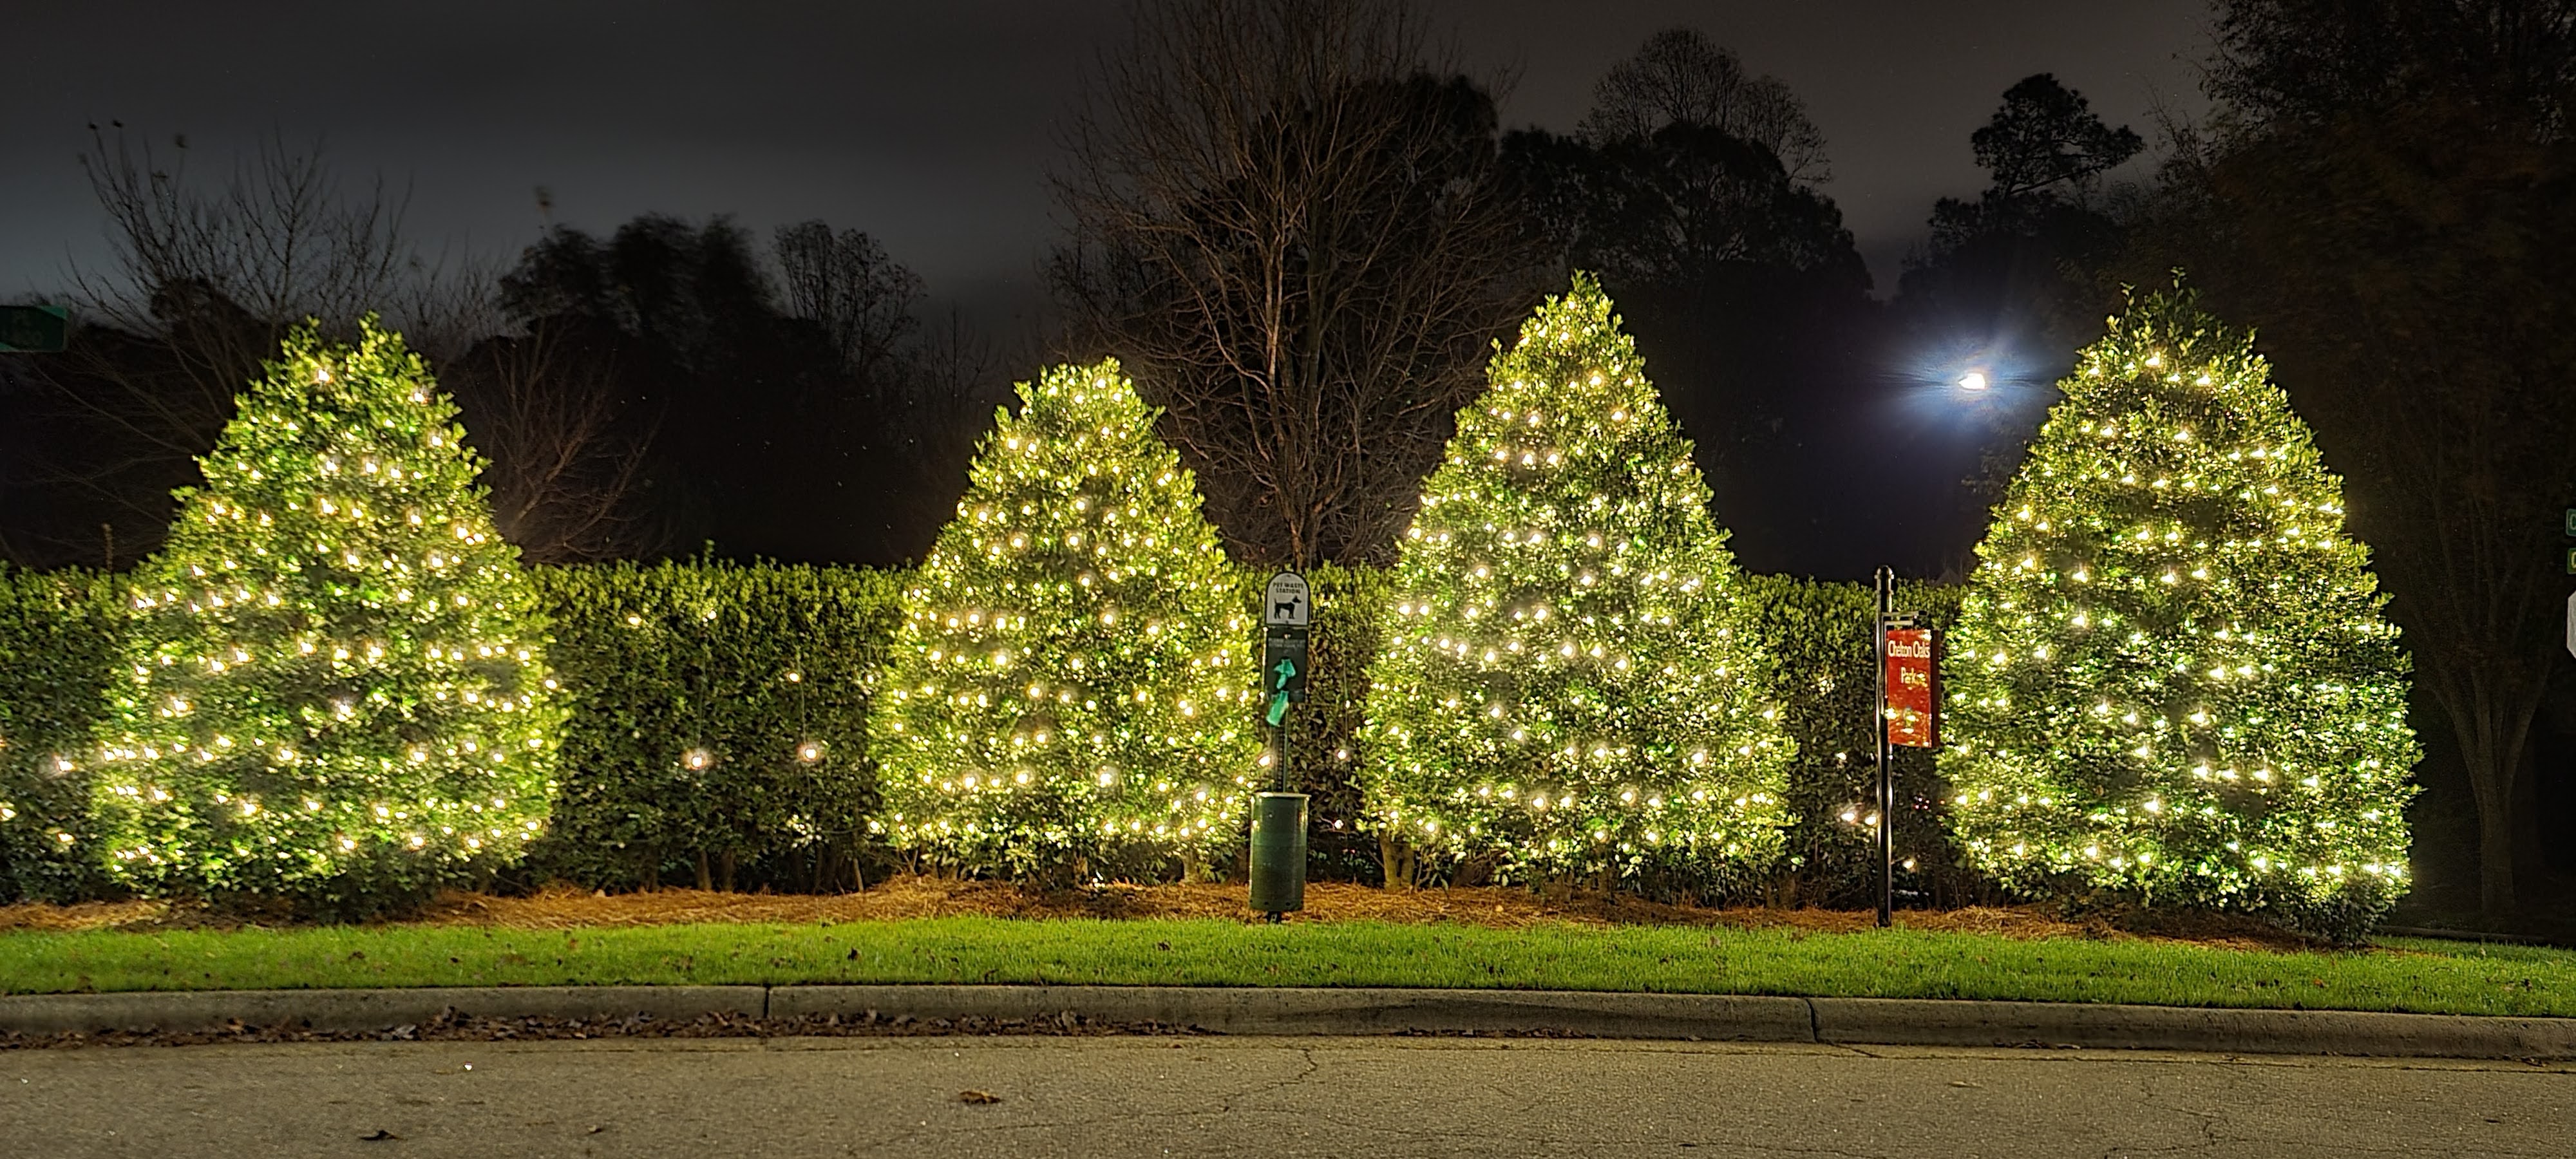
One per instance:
(1913, 716)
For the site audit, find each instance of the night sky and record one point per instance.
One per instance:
(928, 125)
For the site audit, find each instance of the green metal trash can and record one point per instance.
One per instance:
(1278, 853)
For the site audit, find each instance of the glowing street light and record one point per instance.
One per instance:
(1973, 380)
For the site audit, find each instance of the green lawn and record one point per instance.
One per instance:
(2403, 974)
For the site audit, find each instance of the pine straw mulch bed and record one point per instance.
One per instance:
(1494, 907)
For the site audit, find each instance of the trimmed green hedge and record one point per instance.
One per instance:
(718, 721)
(662, 662)
(59, 633)
(1818, 632)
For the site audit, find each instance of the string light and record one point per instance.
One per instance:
(2189, 508)
(1564, 686)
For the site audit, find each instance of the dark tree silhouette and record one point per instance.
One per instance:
(2384, 195)
(2017, 265)
(202, 280)
(1680, 77)
(819, 424)
(1740, 282)
(1288, 222)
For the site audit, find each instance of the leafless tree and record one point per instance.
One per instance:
(1681, 77)
(202, 282)
(1287, 219)
(199, 286)
(847, 284)
(567, 451)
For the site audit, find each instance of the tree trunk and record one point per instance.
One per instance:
(724, 867)
(1395, 857)
(706, 879)
(2491, 737)
(2495, 852)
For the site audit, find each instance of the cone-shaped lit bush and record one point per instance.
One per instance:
(2171, 677)
(335, 685)
(1072, 687)
(1565, 685)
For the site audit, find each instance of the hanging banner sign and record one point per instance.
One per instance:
(1913, 713)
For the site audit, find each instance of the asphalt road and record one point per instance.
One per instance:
(1270, 1097)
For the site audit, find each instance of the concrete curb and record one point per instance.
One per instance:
(1332, 1011)
(1707, 1017)
(358, 1010)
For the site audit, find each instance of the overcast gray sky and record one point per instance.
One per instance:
(927, 124)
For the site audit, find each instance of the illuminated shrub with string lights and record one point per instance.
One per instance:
(334, 685)
(1566, 685)
(1072, 687)
(2171, 677)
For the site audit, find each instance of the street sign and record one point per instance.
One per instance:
(1286, 603)
(1913, 715)
(2571, 561)
(34, 329)
(2571, 521)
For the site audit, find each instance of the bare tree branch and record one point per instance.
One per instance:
(567, 455)
(1291, 224)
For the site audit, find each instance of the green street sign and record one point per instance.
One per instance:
(2571, 521)
(34, 329)
(2571, 561)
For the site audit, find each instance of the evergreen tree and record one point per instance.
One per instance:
(1565, 684)
(1072, 689)
(335, 685)
(2171, 676)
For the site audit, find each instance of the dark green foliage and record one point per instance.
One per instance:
(1818, 633)
(737, 670)
(59, 633)
(1324, 732)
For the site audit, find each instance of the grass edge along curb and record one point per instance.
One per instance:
(1370, 1011)
(2405, 977)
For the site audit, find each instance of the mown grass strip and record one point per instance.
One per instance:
(2403, 974)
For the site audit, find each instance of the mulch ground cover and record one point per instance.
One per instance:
(1495, 907)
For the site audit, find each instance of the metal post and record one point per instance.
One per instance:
(1886, 773)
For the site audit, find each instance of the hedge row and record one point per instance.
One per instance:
(1818, 634)
(718, 723)
(58, 638)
